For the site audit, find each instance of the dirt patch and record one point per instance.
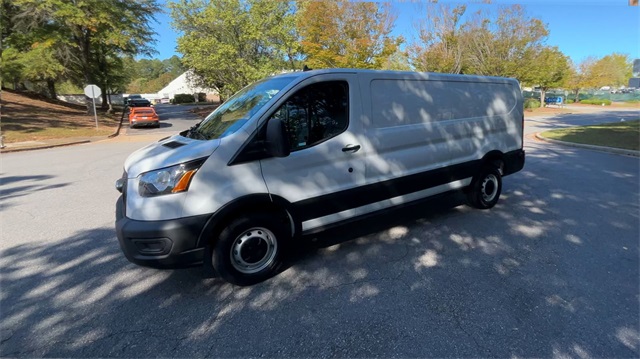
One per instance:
(29, 119)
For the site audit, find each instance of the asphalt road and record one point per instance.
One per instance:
(551, 271)
(173, 119)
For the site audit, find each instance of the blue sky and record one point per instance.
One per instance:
(580, 28)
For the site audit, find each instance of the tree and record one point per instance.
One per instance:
(492, 43)
(441, 47)
(174, 66)
(550, 69)
(611, 70)
(578, 77)
(504, 44)
(40, 64)
(346, 34)
(398, 61)
(91, 32)
(12, 67)
(232, 43)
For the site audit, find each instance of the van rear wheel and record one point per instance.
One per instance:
(485, 189)
(250, 249)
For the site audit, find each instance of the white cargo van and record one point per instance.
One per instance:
(298, 152)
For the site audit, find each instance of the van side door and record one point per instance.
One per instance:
(325, 163)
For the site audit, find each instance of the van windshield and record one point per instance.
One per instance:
(235, 112)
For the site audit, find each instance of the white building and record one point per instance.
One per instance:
(185, 84)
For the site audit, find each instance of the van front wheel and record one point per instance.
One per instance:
(484, 191)
(249, 250)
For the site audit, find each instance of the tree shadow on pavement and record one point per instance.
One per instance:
(551, 271)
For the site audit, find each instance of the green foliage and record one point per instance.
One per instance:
(550, 68)
(12, 67)
(81, 41)
(183, 98)
(347, 34)
(531, 103)
(569, 101)
(231, 43)
(611, 70)
(442, 40)
(147, 76)
(596, 101)
(398, 61)
(495, 43)
(68, 88)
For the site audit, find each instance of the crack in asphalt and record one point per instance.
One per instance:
(478, 345)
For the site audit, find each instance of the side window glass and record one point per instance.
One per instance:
(316, 113)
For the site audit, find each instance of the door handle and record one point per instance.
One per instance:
(351, 148)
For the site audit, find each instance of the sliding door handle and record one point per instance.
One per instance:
(351, 148)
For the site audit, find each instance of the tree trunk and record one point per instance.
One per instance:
(577, 98)
(51, 87)
(104, 105)
(542, 92)
(110, 110)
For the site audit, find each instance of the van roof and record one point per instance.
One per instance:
(399, 74)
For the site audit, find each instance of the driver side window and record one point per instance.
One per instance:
(315, 113)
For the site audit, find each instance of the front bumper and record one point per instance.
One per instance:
(160, 244)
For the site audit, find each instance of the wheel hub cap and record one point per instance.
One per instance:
(489, 188)
(253, 250)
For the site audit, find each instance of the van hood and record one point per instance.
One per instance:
(168, 152)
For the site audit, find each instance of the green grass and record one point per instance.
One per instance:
(624, 135)
(596, 101)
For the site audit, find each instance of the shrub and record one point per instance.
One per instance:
(568, 101)
(596, 101)
(531, 103)
(202, 97)
(183, 98)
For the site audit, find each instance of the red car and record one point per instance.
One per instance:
(143, 116)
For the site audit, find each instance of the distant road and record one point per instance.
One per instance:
(173, 119)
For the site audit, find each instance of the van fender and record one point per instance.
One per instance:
(495, 159)
(259, 202)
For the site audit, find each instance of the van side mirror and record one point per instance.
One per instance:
(277, 143)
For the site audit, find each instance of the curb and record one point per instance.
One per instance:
(618, 151)
(44, 147)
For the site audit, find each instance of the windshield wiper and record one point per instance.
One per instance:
(192, 133)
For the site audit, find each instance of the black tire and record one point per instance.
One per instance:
(484, 191)
(251, 248)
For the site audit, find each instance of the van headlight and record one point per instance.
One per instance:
(168, 180)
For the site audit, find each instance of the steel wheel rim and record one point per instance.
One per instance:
(489, 188)
(253, 250)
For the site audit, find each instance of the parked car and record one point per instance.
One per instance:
(142, 102)
(300, 152)
(130, 98)
(143, 116)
